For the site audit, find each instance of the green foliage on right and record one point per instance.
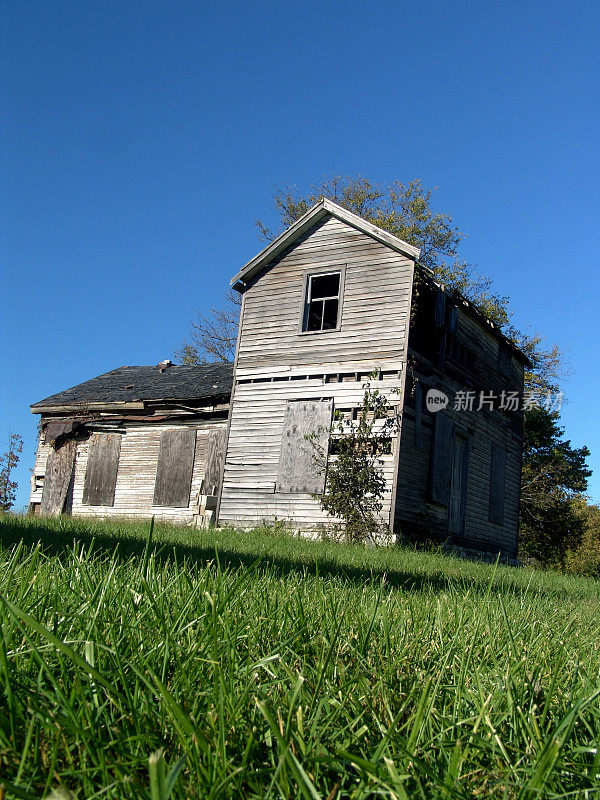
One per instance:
(249, 664)
(584, 557)
(555, 475)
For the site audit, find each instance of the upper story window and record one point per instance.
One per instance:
(322, 304)
(504, 360)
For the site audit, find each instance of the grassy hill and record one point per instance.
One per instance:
(267, 666)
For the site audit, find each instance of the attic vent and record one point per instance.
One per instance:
(163, 365)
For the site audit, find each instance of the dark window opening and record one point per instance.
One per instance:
(322, 302)
(504, 361)
(459, 353)
(379, 447)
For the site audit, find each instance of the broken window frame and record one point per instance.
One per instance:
(308, 301)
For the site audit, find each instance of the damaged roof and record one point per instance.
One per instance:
(138, 384)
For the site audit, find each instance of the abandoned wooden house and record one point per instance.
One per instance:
(134, 442)
(329, 304)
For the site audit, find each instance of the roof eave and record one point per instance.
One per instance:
(40, 408)
(308, 220)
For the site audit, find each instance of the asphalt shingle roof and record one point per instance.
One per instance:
(127, 384)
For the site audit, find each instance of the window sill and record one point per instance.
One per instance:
(318, 333)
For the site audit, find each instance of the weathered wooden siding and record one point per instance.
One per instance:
(136, 474)
(374, 313)
(484, 429)
(253, 454)
(414, 510)
(277, 363)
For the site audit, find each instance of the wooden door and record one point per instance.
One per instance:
(458, 486)
(59, 469)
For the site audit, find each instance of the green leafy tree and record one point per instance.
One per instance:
(8, 461)
(406, 211)
(554, 474)
(585, 558)
(355, 482)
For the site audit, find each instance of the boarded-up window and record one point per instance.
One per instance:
(175, 467)
(441, 458)
(497, 481)
(101, 470)
(298, 470)
(57, 478)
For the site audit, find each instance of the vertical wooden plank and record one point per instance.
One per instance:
(452, 319)
(504, 361)
(215, 458)
(175, 466)
(440, 308)
(465, 478)
(57, 478)
(497, 483)
(441, 459)
(101, 470)
(458, 490)
(418, 415)
(297, 470)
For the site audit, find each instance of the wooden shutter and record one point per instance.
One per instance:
(504, 361)
(452, 319)
(175, 466)
(458, 490)
(215, 459)
(418, 415)
(440, 308)
(441, 458)
(57, 477)
(298, 471)
(497, 481)
(101, 470)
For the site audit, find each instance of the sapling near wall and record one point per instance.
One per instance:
(355, 484)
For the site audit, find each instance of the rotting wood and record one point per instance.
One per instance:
(59, 468)
(215, 459)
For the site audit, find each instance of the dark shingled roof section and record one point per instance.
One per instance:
(148, 383)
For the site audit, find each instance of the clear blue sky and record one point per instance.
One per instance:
(141, 140)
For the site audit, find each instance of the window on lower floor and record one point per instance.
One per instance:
(300, 470)
(101, 469)
(322, 305)
(175, 467)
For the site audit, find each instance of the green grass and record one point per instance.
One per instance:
(267, 666)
